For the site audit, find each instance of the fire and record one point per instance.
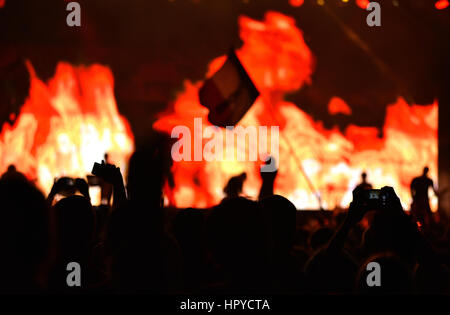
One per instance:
(279, 61)
(66, 125)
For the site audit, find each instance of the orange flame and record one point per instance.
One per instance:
(278, 61)
(66, 125)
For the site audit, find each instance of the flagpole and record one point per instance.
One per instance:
(296, 159)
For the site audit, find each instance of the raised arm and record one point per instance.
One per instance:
(111, 174)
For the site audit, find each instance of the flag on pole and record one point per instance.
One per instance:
(229, 93)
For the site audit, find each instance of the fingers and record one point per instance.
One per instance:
(81, 184)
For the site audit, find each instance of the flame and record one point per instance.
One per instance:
(66, 125)
(279, 61)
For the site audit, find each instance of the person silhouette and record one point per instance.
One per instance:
(25, 235)
(106, 188)
(420, 207)
(364, 185)
(144, 255)
(12, 173)
(233, 189)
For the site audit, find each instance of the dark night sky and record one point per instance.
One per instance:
(152, 46)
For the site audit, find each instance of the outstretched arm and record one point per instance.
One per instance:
(355, 213)
(425, 253)
(268, 179)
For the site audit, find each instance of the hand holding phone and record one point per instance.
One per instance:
(64, 186)
(108, 172)
(372, 199)
(363, 201)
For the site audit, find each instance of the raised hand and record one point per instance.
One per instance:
(107, 172)
(111, 174)
(393, 206)
(269, 176)
(56, 188)
(268, 179)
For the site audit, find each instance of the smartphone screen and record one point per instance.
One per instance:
(96, 195)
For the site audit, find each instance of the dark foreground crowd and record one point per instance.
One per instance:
(238, 246)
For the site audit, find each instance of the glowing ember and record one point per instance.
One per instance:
(66, 125)
(296, 3)
(278, 61)
(362, 3)
(441, 4)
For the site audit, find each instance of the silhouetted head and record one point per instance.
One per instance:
(148, 169)
(238, 235)
(320, 238)
(75, 222)
(425, 170)
(234, 186)
(24, 233)
(363, 176)
(12, 173)
(394, 275)
(330, 272)
(282, 216)
(389, 234)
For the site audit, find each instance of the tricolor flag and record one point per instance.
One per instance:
(229, 93)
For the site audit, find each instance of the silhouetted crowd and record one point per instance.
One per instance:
(238, 246)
